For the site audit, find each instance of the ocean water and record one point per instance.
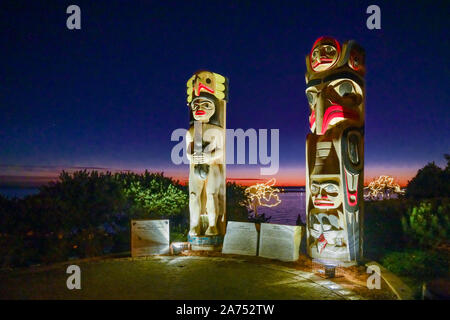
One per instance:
(287, 212)
(18, 192)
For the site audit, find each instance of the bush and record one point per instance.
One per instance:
(383, 227)
(157, 200)
(236, 200)
(260, 218)
(85, 214)
(428, 224)
(417, 264)
(410, 235)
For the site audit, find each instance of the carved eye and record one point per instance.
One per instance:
(314, 189)
(353, 152)
(356, 60)
(345, 88)
(311, 96)
(315, 53)
(207, 105)
(331, 189)
(208, 80)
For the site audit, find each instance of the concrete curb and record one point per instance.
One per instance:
(401, 290)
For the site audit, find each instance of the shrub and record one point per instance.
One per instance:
(85, 214)
(157, 200)
(417, 264)
(428, 224)
(236, 200)
(382, 226)
(260, 218)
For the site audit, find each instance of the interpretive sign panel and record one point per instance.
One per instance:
(149, 237)
(241, 238)
(280, 242)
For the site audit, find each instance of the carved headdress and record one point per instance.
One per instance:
(212, 86)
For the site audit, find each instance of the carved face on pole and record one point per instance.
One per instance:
(334, 96)
(206, 95)
(335, 149)
(325, 195)
(324, 53)
(203, 109)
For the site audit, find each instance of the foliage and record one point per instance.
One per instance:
(428, 224)
(418, 264)
(382, 188)
(236, 202)
(383, 226)
(258, 218)
(410, 235)
(262, 194)
(86, 214)
(157, 200)
(430, 182)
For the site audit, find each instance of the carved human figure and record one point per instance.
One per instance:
(335, 149)
(206, 152)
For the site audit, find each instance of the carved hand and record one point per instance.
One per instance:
(201, 158)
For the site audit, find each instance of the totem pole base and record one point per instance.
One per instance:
(206, 243)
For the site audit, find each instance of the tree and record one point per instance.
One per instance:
(262, 195)
(236, 202)
(384, 187)
(430, 182)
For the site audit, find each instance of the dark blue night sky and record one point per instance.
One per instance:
(110, 95)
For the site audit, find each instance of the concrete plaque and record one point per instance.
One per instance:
(149, 237)
(241, 238)
(279, 241)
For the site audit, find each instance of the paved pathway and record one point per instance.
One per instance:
(173, 277)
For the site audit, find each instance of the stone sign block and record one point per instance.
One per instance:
(149, 237)
(281, 242)
(241, 238)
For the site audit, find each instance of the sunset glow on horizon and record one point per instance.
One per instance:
(28, 176)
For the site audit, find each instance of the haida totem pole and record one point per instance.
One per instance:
(335, 150)
(207, 95)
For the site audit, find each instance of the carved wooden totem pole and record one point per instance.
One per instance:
(335, 150)
(207, 95)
